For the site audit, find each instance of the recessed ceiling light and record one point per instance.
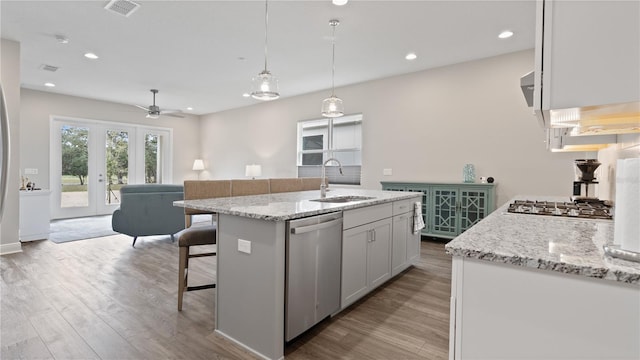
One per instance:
(48, 84)
(246, 95)
(411, 56)
(339, 2)
(91, 56)
(506, 34)
(189, 108)
(62, 39)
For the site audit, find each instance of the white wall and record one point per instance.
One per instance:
(10, 79)
(38, 106)
(424, 126)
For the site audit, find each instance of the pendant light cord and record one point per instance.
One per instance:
(333, 57)
(266, 21)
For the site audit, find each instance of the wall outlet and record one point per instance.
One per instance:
(387, 172)
(244, 246)
(29, 171)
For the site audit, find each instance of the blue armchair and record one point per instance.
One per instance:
(147, 209)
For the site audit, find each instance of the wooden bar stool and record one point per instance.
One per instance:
(193, 236)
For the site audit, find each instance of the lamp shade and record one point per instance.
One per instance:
(253, 170)
(198, 164)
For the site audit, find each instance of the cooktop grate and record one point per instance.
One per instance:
(587, 210)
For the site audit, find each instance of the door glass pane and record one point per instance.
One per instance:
(117, 164)
(152, 157)
(75, 159)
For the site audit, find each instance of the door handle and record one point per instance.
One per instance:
(309, 228)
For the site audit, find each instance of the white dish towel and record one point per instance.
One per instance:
(418, 223)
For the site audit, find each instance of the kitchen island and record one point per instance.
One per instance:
(540, 287)
(251, 266)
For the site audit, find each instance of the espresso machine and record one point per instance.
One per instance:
(584, 187)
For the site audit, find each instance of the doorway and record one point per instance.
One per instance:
(91, 161)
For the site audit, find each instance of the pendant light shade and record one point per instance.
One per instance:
(265, 85)
(332, 106)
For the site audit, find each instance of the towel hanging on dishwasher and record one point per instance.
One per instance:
(418, 222)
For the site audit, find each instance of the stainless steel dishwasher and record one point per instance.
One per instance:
(314, 251)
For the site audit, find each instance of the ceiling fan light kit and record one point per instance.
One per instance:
(332, 106)
(265, 85)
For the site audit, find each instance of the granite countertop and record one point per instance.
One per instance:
(566, 245)
(292, 205)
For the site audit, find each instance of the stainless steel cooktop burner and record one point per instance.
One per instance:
(587, 210)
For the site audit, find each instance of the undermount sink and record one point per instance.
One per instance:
(344, 199)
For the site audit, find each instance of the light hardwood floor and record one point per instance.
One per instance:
(103, 299)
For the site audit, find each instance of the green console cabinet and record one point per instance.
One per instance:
(449, 209)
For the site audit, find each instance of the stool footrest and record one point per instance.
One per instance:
(201, 287)
(202, 254)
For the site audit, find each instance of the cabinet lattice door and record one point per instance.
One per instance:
(444, 209)
(473, 208)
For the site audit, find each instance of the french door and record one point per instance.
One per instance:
(91, 161)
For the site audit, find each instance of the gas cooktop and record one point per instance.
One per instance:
(586, 210)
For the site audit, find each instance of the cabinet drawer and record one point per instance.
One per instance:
(365, 215)
(403, 206)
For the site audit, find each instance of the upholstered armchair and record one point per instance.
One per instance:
(147, 209)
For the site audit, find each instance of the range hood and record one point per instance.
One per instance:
(598, 120)
(606, 119)
(560, 140)
(526, 84)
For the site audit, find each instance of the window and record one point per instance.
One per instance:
(322, 139)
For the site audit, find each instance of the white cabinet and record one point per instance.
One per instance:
(587, 53)
(405, 244)
(34, 215)
(366, 251)
(503, 311)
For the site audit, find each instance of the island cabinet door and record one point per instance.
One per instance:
(366, 259)
(354, 264)
(379, 254)
(405, 245)
(399, 244)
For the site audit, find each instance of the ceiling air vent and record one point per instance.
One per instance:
(51, 68)
(122, 7)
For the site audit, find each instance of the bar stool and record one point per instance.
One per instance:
(193, 236)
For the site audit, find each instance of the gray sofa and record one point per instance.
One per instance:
(147, 209)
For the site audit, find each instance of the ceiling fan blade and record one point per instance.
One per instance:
(177, 115)
(142, 107)
(170, 111)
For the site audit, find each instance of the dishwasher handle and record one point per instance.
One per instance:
(309, 228)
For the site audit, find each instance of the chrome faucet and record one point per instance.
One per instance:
(323, 185)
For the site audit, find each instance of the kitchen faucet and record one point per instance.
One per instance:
(323, 185)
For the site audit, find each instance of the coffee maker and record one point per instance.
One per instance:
(584, 187)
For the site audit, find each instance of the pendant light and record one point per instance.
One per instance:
(332, 106)
(264, 85)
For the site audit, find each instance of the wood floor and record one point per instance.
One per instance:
(103, 299)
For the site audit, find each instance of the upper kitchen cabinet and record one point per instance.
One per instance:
(587, 72)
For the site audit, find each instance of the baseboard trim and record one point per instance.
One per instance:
(6, 249)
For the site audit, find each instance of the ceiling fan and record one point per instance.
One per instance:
(154, 111)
